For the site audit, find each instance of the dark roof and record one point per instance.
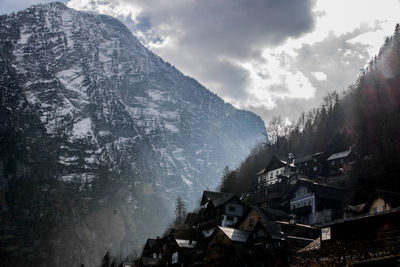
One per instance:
(307, 158)
(269, 216)
(191, 218)
(216, 197)
(322, 190)
(339, 155)
(280, 161)
(152, 244)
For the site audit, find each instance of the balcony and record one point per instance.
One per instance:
(302, 210)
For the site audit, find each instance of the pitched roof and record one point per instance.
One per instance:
(281, 161)
(269, 216)
(183, 243)
(325, 191)
(191, 218)
(272, 214)
(235, 235)
(152, 243)
(339, 155)
(306, 158)
(216, 197)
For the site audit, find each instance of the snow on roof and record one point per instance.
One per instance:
(235, 234)
(339, 155)
(182, 243)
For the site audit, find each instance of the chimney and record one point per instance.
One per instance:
(291, 158)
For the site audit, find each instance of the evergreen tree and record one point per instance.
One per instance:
(106, 260)
(180, 212)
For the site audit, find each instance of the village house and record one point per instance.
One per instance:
(226, 247)
(225, 208)
(273, 234)
(314, 202)
(340, 162)
(218, 209)
(152, 254)
(273, 196)
(180, 252)
(312, 166)
(277, 171)
(379, 201)
(266, 242)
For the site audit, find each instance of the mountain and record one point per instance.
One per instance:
(99, 136)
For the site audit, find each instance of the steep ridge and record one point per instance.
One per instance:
(98, 136)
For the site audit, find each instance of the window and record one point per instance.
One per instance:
(232, 208)
(315, 168)
(341, 160)
(333, 163)
(251, 222)
(310, 202)
(305, 163)
(305, 191)
(384, 208)
(374, 210)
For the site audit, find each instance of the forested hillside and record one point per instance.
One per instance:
(364, 117)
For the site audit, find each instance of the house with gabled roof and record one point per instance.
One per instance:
(277, 171)
(152, 254)
(340, 162)
(218, 209)
(226, 247)
(315, 202)
(215, 197)
(378, 201)
(312, 165)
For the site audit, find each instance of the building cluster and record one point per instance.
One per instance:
(296, 215)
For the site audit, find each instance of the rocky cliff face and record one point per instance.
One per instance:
(98, 136)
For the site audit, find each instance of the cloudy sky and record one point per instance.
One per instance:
(269, 56)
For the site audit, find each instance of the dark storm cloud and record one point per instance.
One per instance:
(209, 32)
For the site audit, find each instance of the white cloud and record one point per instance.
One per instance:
(319, 75)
